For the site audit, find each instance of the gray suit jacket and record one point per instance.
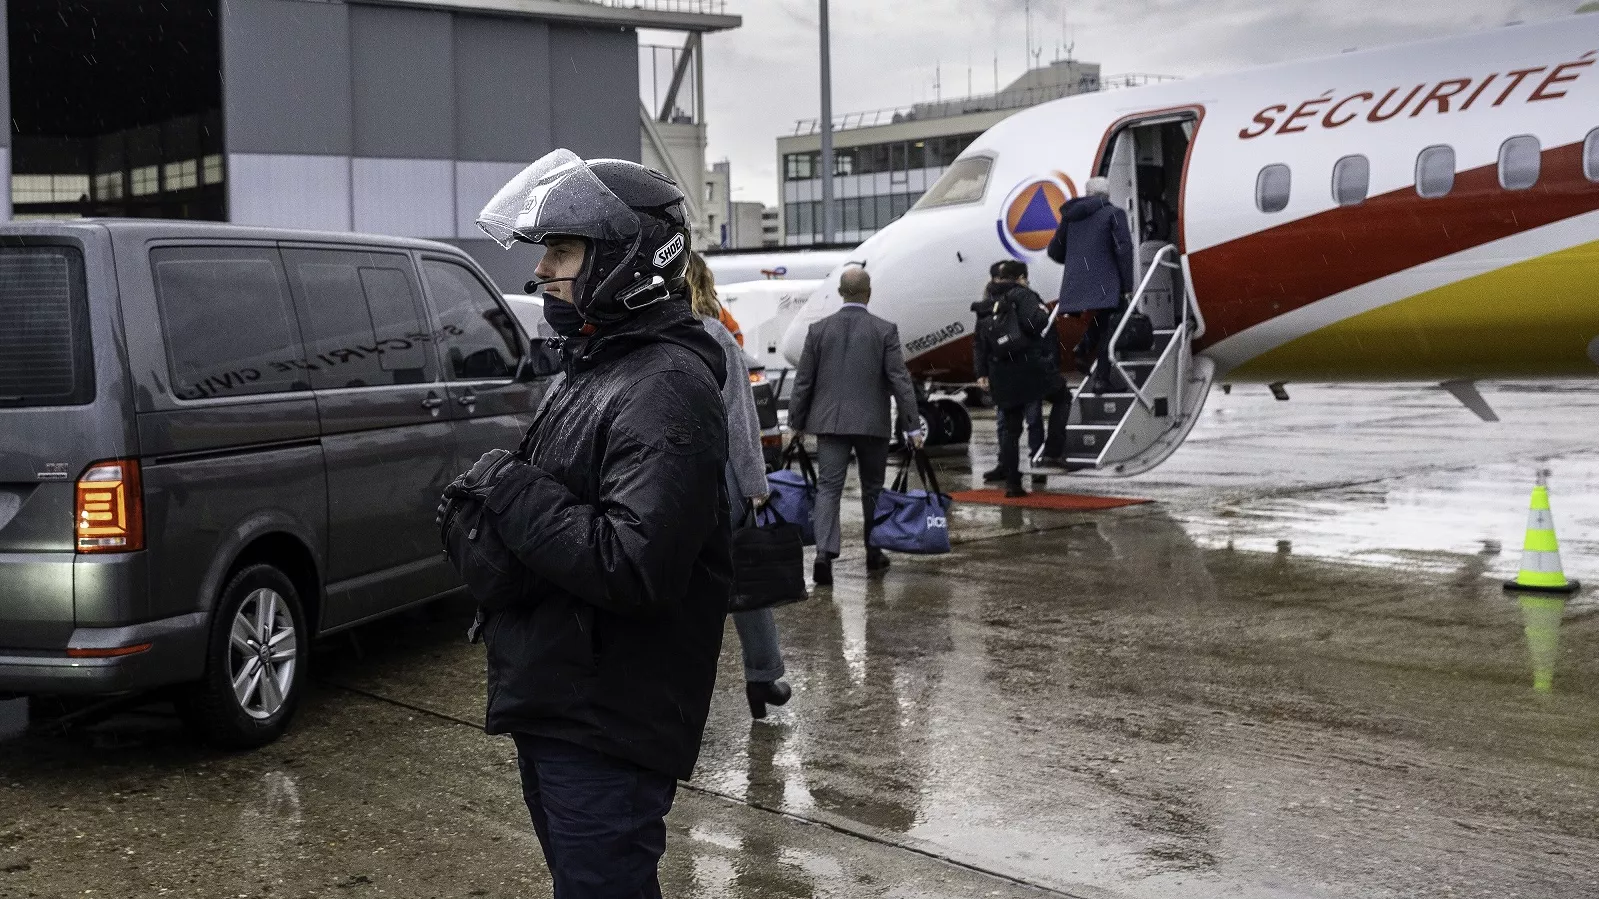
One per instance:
(851, 365)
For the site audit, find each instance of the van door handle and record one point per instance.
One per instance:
(468, 400)
(432, 402)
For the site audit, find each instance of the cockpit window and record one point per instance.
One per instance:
(963, 182)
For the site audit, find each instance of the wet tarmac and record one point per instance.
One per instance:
(1295, 675)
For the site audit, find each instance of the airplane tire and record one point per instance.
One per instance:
(957, 421)
(932, 422)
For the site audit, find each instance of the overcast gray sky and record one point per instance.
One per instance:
(762, 77)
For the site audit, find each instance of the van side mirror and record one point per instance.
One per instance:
(540, 361)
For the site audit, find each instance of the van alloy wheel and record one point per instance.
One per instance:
(261, 663)
(256, 655)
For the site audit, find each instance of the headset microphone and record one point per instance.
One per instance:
(534, 286)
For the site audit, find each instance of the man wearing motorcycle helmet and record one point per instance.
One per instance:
(600, 551)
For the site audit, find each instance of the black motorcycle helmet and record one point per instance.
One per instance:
(631, 218)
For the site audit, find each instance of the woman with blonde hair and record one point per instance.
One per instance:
(746, 481)
(702, 283)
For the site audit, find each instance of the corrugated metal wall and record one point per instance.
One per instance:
(405, 121)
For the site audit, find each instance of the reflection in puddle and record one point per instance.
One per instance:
(1425, 522)
(1542, 615)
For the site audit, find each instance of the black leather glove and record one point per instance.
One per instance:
(476, 483)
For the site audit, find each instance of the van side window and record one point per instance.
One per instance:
(363, 318)
(1519, 161)
(45, 356)
(1272, 187)
(1590, 156)
(230, 327)
(478, 338)
(1435, 171)
(1351, 180)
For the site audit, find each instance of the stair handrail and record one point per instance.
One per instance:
(1133, 306)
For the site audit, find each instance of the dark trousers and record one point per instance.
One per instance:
(1035, 426)
(1052, 439)
(600, 820)
(1096, 343)
(1010, 438)
(832, 464)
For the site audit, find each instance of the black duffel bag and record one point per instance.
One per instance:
(1138, 336)
(768, 561)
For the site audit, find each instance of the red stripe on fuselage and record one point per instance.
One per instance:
(1260, 276)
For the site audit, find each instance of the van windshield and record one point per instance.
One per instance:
(44, 328)
(963, 182)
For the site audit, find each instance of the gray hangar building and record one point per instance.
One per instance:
(387, 116)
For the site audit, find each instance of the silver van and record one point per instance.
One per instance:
(219, 442)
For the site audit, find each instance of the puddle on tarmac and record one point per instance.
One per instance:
(1440, 523)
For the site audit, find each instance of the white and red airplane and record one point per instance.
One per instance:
(1426, 212)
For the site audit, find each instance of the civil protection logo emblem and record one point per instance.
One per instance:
(1032, 212)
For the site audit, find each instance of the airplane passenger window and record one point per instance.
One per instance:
(1272, 186)
(1435, 171)
(1351, 180)
(1590, 155)
(1519, 161)
(963, 182)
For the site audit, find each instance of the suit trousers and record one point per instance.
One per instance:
(601, 821)
(832, 464)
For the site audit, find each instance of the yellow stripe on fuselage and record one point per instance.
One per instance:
(1532, 319)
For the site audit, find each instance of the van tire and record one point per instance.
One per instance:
(210, 706)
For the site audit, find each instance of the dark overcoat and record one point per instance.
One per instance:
(1096, 248)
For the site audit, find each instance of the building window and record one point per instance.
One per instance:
(146, 180)
(852, 213)
(1520, 158)
(1435, 171)
(183, 175)
(108, 186)
(212, 168)
(800, 166)
(1351, 180)
(48, 188)
(1590, 156)
(1272, 187)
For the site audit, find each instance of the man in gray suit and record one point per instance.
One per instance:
(852, 364)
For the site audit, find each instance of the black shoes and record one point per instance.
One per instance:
(876, 561)
(763, 693)
(822, 572)
(1014, 491)
(994, 475)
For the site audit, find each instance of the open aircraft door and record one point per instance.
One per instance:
(1158, 391)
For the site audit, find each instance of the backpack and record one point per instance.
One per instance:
(1010, 327)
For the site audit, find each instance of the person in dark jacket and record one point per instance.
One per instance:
(609, 527)
(1095, 246)
(1008, 355)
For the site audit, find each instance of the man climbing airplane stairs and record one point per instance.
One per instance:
(1163, 388)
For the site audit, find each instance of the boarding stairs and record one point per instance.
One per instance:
(1162, 389)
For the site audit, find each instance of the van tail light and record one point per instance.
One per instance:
(772, 440)
(110, 508)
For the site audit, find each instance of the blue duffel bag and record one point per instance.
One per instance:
(794, 492)
(912, 521)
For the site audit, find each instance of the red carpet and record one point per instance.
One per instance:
(1060, 502)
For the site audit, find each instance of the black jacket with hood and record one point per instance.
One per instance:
(1019, 377)
(621, 521)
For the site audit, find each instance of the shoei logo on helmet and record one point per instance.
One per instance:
(669, 251)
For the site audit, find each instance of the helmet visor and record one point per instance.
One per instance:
(557, 196)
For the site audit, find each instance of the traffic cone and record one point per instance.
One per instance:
(1540, 555)
(1541, 616)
